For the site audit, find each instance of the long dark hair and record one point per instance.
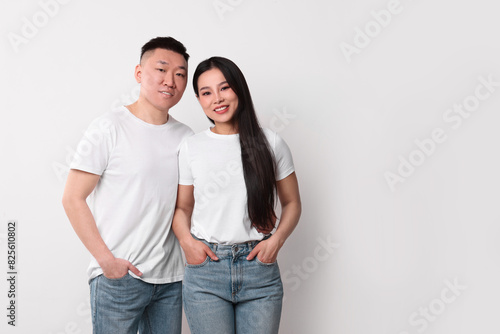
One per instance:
(258, 161)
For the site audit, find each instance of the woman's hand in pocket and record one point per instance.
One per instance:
(196, 252)
(266, 251)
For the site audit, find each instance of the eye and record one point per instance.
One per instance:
(205, 93)
(161, 69)
(225, 87)
(182, 75)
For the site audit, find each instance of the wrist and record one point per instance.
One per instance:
(278, 238)
(105, 259)
(186, 241)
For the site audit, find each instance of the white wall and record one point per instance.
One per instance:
(365, 258)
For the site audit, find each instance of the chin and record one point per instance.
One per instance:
(164, 107)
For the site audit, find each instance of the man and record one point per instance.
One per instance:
(128, 160)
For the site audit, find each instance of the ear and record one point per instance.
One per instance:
(138, 73)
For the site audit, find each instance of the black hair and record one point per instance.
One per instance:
(167, 43)
(258, 162)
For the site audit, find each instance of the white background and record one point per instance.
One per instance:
(349, 120)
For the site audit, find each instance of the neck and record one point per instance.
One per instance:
(148, 113)
(225, 129)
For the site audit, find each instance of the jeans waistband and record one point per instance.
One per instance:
(244, 246)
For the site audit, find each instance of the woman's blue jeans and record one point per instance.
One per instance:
(233, 295)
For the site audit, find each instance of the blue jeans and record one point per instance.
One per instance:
(232, 295)
(126, 305)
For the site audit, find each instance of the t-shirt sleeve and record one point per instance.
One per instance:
(94, 149)
(185, 174)
(283, 156)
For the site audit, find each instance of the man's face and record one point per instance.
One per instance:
(163, 78)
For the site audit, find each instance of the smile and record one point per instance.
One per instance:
(167, 93)
(221, 109)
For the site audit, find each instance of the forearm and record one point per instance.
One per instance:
(83, 223)
(290, 216)
(181, 225)
(267, 250)
(194, 250)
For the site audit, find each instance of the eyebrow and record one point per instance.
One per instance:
(162, 62)
(206, 87)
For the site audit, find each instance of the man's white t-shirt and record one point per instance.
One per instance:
(212, 163)
(134, 200)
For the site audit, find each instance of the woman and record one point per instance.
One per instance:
(228, 177)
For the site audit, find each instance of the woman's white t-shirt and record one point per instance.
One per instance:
(212, 164)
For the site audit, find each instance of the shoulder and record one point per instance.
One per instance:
(113, 117)
(274, 139)
(268, 132)
(198, 137)
(180, 127)
(193, 140)
(108, 121)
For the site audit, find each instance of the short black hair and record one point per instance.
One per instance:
(167, 43)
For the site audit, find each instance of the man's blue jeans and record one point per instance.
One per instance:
(127, 304)
(233, 295)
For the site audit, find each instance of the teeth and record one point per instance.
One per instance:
(167, 93)
(221, 108)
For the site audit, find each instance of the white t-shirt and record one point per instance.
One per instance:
(134, 200)
(212, 163)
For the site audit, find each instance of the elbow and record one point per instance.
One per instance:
(65, 202)
(68, 202)
(299, 209)
(293, 207)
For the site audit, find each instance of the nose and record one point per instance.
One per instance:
(218, 98)
(168, 80)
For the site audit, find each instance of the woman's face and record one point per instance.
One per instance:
(218, 100)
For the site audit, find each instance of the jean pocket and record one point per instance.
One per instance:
(264, 263)
(124, 277)
(198, 265)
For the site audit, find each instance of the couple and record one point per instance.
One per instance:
(156, 187)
